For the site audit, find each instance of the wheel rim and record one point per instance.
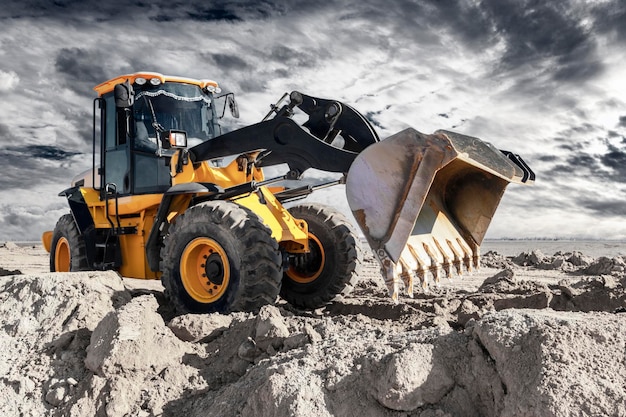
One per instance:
(204, 270)
(312, 264)
(62, 257)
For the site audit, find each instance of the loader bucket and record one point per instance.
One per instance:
(424, 202)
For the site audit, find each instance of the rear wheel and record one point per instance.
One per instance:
(219, 257)
(67, 251)
(333, 264)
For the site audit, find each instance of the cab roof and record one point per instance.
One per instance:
(108, 86)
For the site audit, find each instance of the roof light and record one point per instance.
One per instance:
(140, 81)
(155, 81)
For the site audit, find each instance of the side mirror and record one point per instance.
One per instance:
(124, 95)
(232, 105)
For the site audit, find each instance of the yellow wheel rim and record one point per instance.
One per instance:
(314, 265)
(62, 259)
(204, 270)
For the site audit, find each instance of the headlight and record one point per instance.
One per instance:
(140, 81)
(155, 81)
(178, 139)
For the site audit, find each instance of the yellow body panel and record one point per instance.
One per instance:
(286, 229)
(233, 174)
(135, 211)
(46, 239)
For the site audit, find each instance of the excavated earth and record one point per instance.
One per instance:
(530, 335)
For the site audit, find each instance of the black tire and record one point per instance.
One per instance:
(313, 280)
(243, 266)
(68, 251)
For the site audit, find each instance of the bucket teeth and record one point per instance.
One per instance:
(426, 256)
(390, 274)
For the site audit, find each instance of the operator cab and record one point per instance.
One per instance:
(142, 117)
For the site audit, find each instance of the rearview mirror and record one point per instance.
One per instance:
(124, 95)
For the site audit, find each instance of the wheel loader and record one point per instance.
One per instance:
(171, 196)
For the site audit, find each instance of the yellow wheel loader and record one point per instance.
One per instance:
(172, 197)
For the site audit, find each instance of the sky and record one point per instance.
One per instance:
(544, 79)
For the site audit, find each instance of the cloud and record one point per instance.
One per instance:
(610, 17)
(229, 62)
(605, 206)
(615, 158)
(80, 68)
(542, 79)
(535, 30)
(8, 80)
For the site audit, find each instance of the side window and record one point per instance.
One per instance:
(110, 125)
(117, 166)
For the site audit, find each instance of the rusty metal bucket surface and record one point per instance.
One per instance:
(424, 202)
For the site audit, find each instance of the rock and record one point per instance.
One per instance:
(560, 364)
(11, 246)
(56, 395)
(313, 335)
(134, 338)
(7, 272)
(270, 328)
(532, 258)
(413, 378)
(247, 350)
(194, 327)
(502, 280)
(493, 259)
(467, 311)
(580, 260)
(600, 266)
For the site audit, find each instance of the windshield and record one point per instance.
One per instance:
(173, 106)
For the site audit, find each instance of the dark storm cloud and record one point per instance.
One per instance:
(371, 117)
(293, 57)
(615, 158)
(532, 31)
(154, 10)
(229, 62)
(577, 163)
(547, 158)
(622, 121)
(536, 30)
(611, 17)
(42, 151)
(80, 69)
(610, 166)
(202, 12)
(544, 34)
(604, 205)
(26, 166)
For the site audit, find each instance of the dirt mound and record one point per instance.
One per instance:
(91, 344)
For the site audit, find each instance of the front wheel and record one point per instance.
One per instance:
(333, 264)
(219, 257)
(68, 251)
